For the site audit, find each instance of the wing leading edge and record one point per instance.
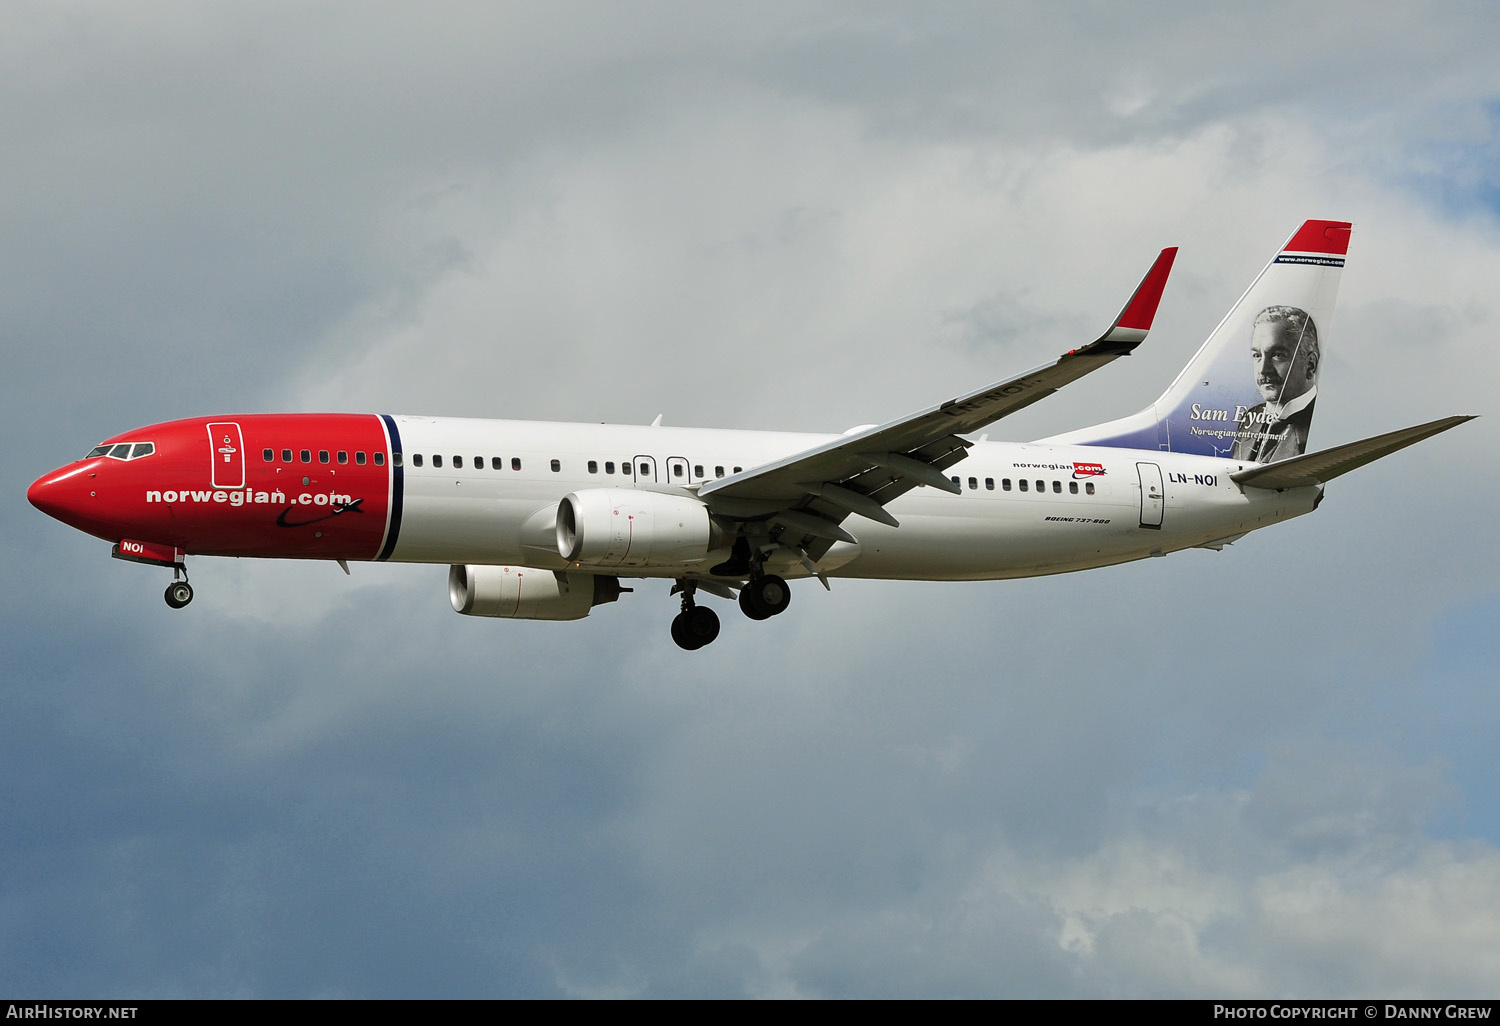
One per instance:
(807, 495)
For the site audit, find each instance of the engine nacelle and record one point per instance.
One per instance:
(525, 593)
(624, 527)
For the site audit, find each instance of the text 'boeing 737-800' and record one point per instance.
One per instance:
(543, 521)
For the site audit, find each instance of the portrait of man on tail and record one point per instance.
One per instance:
(1284, 353)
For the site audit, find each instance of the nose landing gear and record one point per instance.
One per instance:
(179, 593)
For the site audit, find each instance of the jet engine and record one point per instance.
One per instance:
(612, 527)
(525, 593)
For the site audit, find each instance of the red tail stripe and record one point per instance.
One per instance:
(1321, 237)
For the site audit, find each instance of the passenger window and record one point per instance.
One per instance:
(718, 472)
(956, 481)
(269, 455)
(698, 471)
(322, 455)
(1041, 486)
(609, 466)
(736, 470)
(1057, 487)
(515, 463)
(458, 463)
(1073, 487)
(306, 455)
(1089, 487)
(359, 457)
(677, 469)
(645, 469)
(343, 456)
(556, 466)
(416, 459)
(496, 463)
(1023, 484)
(437, 460)
(1005, 484)
(286, 455)
(593, 466)
(973, 484)
(989, 484)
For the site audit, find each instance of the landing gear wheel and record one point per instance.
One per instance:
(702, 625)
(749, 606)
(774, 593)
(765, 596)
(693, 628)
(179, 594)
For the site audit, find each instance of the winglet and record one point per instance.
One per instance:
(1130, 328)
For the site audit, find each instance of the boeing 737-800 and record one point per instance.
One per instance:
(543, 521)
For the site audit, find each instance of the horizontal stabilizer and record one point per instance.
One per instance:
(1320, 467)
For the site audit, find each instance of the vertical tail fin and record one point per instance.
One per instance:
(1248, 392)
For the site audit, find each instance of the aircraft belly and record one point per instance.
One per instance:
(1020, 538)
(1006, 540)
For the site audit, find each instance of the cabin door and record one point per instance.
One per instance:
(1152, 496)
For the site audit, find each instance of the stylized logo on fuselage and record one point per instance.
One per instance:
(336, 509)
(1081, 470)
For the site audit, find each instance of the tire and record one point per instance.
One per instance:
(701, 625)
(680, 633)
(179, 594)
(750, 606)
(772, 594)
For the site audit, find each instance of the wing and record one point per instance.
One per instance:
(1320, 467)
(807, 496)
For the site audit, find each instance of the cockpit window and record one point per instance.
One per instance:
(122, 450)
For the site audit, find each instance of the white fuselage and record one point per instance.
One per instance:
(1025, 509)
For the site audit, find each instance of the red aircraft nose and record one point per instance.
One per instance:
(66, 494)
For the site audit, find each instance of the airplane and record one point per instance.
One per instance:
(544, 520)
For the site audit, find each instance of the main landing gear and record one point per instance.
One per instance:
(764, 596)
(696, 625)
(179, 593)
(761, 598)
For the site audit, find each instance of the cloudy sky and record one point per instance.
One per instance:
(1265, 771)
